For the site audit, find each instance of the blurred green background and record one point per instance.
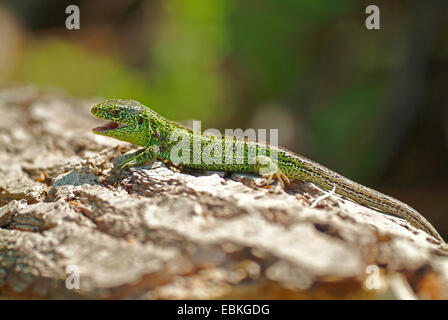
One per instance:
(370, 104)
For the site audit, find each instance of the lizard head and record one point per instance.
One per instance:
(127, 120)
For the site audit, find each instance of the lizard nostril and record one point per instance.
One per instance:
(95, 109)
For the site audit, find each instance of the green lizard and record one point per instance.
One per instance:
(133, 122)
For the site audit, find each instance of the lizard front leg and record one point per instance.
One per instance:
(267, 168)
(148, 155)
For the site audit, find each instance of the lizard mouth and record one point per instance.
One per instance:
(110, 126)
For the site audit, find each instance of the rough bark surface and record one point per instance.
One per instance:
(154, 232)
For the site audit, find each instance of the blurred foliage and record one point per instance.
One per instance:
(55, 62)
(183, 78)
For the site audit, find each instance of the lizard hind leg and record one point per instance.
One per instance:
(268, 169)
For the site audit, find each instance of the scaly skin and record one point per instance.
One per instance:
(135, 123)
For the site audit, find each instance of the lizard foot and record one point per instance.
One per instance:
(268, 169)
(147, 155)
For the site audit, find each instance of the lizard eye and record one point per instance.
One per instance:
(115, 112)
